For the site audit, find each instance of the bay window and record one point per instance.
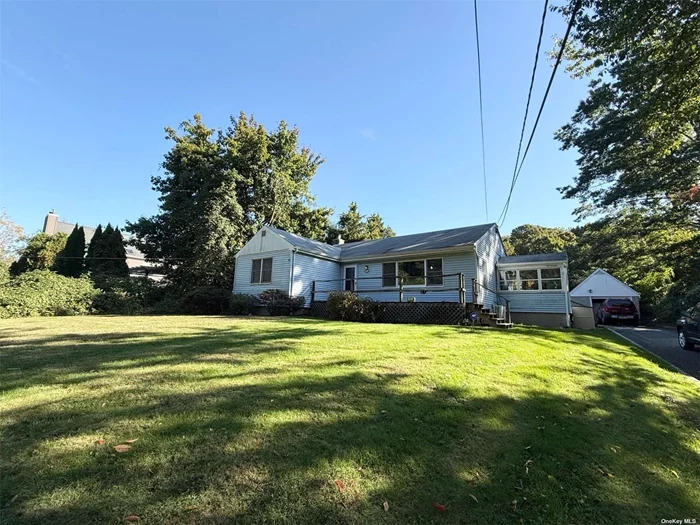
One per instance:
(530, 279)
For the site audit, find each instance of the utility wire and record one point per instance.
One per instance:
(529, 96)
(574, 11)
(481, 110)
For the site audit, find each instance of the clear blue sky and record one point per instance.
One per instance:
(385, 91)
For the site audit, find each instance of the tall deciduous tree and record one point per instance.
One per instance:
(39, 253)
(530, 239)
(638, 130)
(70, 261)
(219, 189)
(11, 238)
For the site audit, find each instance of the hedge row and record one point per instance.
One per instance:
(45, 293)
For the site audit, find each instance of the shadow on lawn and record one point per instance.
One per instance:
(207, 457)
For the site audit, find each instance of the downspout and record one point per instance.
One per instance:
(291, 272)
(565, 280)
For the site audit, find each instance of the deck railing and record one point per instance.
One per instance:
(451, 282)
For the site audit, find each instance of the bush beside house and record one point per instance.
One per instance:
(346, 306)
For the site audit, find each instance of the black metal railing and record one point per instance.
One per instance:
(475, 297)
(449, 282)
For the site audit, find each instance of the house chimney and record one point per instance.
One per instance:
(338, 240)
(50, 223)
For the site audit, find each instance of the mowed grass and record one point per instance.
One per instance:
(251, 420)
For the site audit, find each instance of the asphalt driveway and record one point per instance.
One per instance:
(663, 343)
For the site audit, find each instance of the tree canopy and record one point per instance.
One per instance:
(219, 188)
(39, 253)
(530, 239)
(352, 226)
(106, 253)
(637, 131)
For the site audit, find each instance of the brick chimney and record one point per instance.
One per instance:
(50, 223)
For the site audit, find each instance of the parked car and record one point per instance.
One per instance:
(689, 328)
(618, 310)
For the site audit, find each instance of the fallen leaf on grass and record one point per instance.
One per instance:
(339, 484)
(527, 466)
(514, 503)
(131, 440)
(132, 518)
(100, 441)
(440, 507)
(121, 448)
(386, 506)
(604, 472)
(472, 496)
(675, 474)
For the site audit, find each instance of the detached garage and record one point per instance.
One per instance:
(598, 287)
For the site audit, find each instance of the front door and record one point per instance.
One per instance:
(349, 278)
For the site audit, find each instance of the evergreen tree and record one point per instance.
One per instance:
(70, 261)
(93, 248)
(117, 255)
(100, 252)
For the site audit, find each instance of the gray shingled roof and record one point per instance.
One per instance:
(417, 242)
(534, 258)
(307, 245)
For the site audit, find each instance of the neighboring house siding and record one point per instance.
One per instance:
(542, 302)
(280, 272)
(451, 264)
(488, 250)
(308, 269)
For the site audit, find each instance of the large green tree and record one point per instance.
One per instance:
(530, 239)
(71, 260)
(352, 226)
(39, 253)
(218, 189)
(94, 247)
(637, 131)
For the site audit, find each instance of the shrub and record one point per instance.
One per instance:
(45, 293)
(207, 300)
(346, 306)
(241, 303)
(676, 302)
(127, 295)
(279, 302)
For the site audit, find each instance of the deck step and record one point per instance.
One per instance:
(504, 325)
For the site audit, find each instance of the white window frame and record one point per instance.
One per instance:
(539, 269)
(252, 265)
(425, 273)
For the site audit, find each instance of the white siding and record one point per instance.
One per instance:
(451, 264)
(280, 272)
(488, 250)
(308, 269)
(541, 302)
(264, 241)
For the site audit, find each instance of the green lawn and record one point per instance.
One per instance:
(249, 420)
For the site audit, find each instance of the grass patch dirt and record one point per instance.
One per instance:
(250, 420)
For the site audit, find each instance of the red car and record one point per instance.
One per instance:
(618, 311)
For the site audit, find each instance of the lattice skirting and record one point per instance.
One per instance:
(410, 313)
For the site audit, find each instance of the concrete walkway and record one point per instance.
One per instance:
(663, 343)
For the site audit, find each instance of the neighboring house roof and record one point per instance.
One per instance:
(534, 258)
(601, 284)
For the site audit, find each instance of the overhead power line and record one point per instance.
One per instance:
(516, 173)
(529, 96)
(481, 110)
